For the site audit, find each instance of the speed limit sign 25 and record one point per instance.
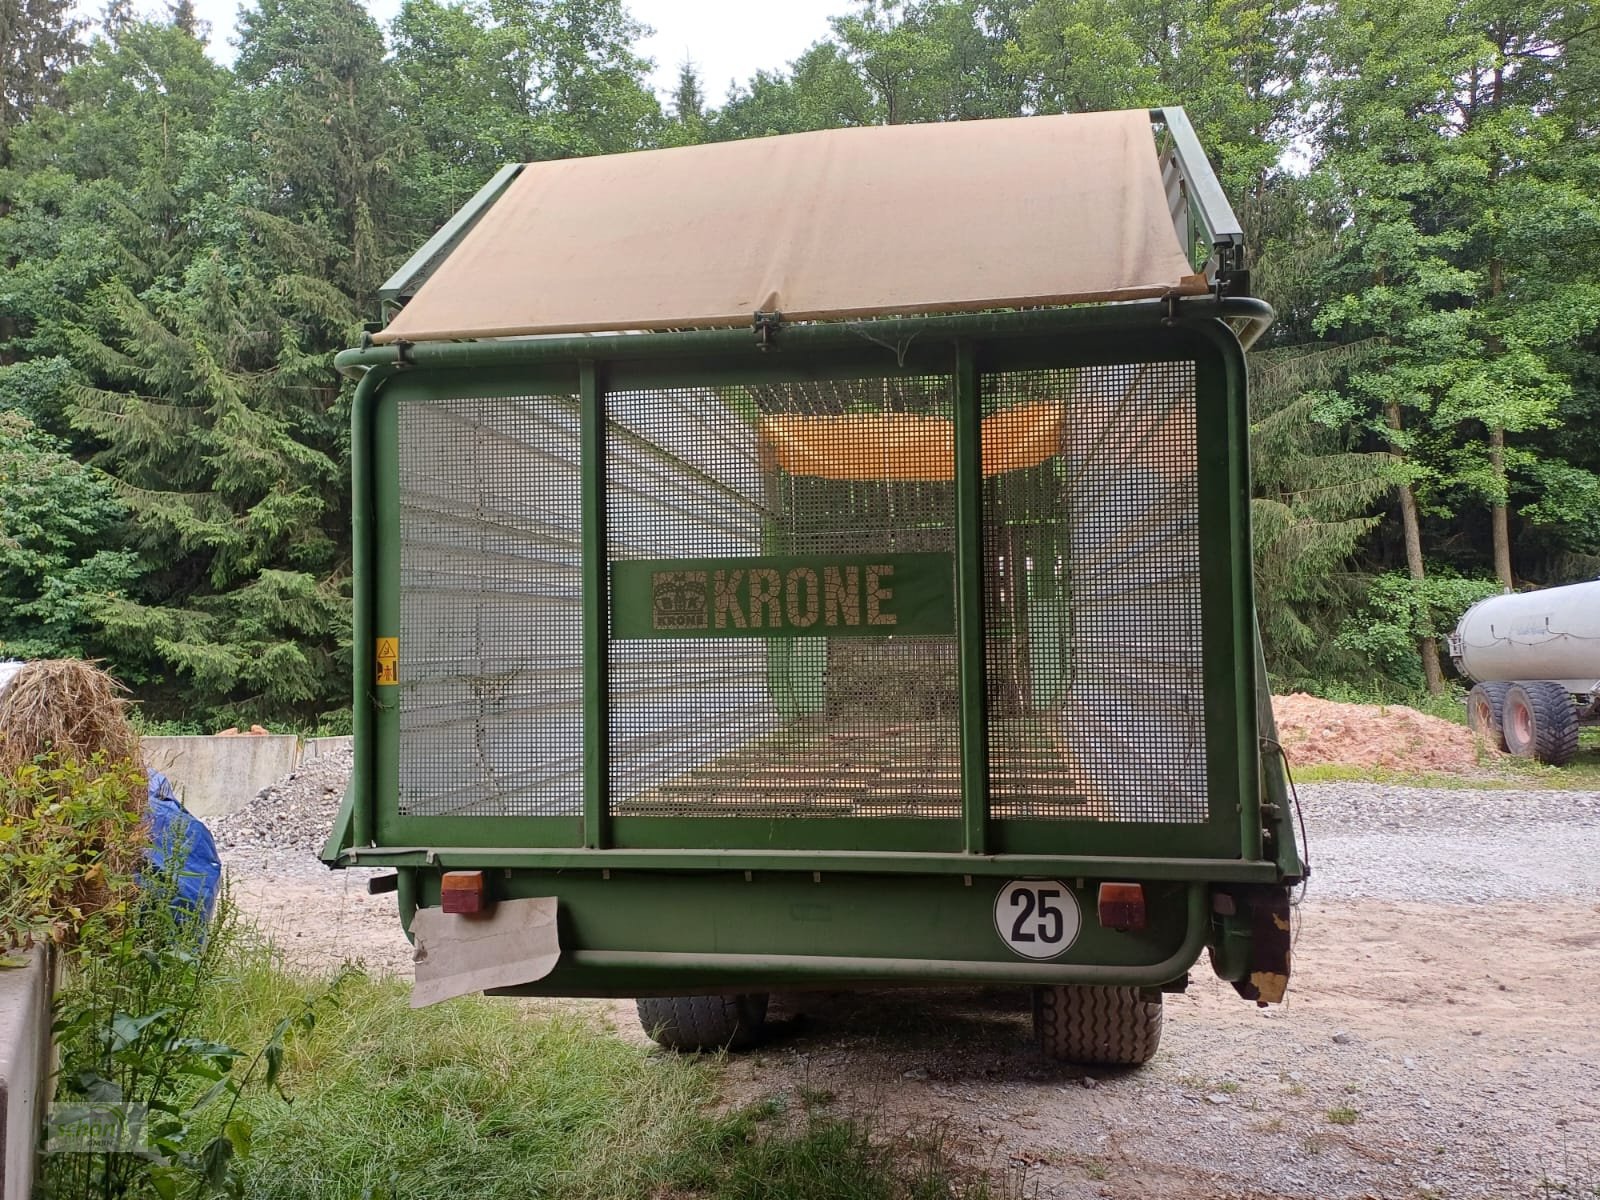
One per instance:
(1037, 918)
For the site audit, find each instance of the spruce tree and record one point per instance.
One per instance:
(38, 42)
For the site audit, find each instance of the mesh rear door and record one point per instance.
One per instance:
(782, 669)
(491, 689)
(1092, 605)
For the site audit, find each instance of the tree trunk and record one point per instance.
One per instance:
(1427, 647)
(1499, 509)
(1499, 512)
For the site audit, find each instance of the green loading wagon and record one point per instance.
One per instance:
(823, 561)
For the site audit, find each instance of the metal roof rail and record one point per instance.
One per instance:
(403, 284)
(1200, 211)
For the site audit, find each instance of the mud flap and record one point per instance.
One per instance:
(1251, 935)
(1267, 977)
(514, 942)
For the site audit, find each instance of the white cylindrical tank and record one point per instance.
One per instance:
(1553, 633)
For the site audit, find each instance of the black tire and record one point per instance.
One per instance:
(704, 1022)
(1486, 707)
(1541, 722)
(1112, 1026)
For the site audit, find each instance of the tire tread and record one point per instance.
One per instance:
(1494, 693)
(1554, 720)
(1112, 1026)
(703, 1022)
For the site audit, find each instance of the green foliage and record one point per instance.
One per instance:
(744, 1157)
(37, 41)
(1467, 239)
(487, 82)
(134, 1042)
(71, 838)
(1400, 610)
(391, 1101)
(1313, 506)
(58, 566)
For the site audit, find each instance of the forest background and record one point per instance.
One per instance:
(184, 246)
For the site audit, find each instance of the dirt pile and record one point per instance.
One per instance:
(1393, 736)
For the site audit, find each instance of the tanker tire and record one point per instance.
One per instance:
(704, 1022)
(1486, 708)
(1541, 722)
(1107, 1026)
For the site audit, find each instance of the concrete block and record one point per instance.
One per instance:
(218, 775)
(25, 995)
(314, 748)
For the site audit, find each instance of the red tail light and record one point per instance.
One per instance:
(1122, 906)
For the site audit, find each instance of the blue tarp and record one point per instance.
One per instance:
(175, 832)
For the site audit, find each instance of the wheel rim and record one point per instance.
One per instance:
(1522, 721)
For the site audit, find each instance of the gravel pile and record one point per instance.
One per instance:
(284, 826)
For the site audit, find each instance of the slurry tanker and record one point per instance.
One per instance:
(1534, 659)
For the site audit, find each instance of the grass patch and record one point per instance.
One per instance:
(825, 1158)
(1343, 1115)
(491, 1098)
(1507, 774)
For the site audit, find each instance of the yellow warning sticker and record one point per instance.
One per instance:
(388, 660)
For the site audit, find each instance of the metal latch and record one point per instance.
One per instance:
(767, 325)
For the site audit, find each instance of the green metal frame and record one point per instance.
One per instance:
(964, 347)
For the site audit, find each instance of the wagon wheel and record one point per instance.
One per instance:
(1485, 711)
(1114, 1026)
(1541, 722)
(704, 1022)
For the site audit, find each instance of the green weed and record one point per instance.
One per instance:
(492, 1098)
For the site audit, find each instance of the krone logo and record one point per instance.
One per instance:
(678, 599)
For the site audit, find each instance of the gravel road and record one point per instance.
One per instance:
(1451, 846)
(1441, 1039)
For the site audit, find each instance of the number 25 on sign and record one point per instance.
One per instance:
(388, 661)
(1037, 918)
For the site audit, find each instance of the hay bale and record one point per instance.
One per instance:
(67, 707)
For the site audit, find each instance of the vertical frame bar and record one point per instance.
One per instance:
(1227, 596)
(384, 428)
(362, 615)
(596, 709)
(1249, 665)
(969, 601)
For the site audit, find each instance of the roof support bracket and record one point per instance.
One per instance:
(766, 326)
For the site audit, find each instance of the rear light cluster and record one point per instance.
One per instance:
(463, 892)
(1122, 907)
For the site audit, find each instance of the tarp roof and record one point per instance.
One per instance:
(842, 223)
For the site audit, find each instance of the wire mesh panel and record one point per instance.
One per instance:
(781, 590)
(1092, 594)
(491, 700)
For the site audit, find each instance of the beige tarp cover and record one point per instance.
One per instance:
(847, 222)
(906, 446)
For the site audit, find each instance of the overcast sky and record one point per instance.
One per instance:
(727, 39)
